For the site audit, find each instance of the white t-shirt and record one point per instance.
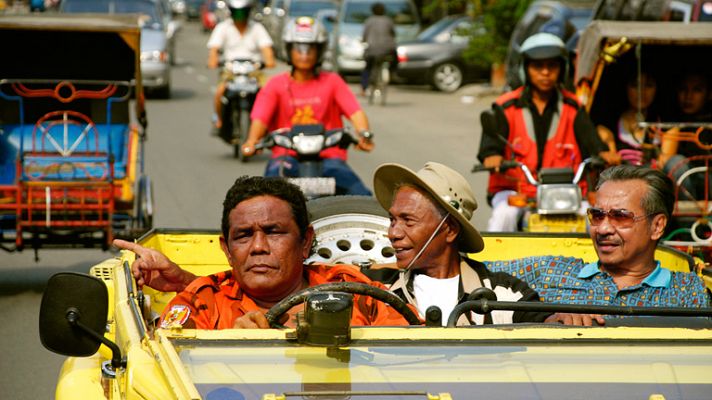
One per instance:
(436, 292)
(236, 46)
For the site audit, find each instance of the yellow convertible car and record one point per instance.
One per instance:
(106, 325)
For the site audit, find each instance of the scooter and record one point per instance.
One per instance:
(308, 141)
(239, 97)
(558, 196)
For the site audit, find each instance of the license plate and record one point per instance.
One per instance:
(312, 187)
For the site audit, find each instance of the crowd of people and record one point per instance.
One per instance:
(266, 235)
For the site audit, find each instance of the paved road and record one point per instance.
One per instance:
(191, 172)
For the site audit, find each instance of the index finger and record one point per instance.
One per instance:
(131, 246)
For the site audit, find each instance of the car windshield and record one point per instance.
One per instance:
(402, 13)
(435, 29)
(147, 9)
(309, 8)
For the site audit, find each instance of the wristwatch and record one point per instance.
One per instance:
(368, 135)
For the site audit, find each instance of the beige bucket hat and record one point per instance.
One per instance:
(446, 186)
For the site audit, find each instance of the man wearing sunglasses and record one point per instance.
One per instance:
(633, 206)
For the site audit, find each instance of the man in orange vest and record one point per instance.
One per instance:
(539, 124)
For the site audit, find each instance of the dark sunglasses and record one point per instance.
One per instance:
(619, 218)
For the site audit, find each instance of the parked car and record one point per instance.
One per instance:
(281, 11)
(347, 54)
(435, 56)
(562, 18)
(155, 56)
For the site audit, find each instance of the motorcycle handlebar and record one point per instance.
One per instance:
(269, 141)
(595, 161)
(507, 164)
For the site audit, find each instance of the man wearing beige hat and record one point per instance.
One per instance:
(431, 231)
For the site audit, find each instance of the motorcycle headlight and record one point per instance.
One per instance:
(308, 144)
(155, 55)
(558, 199)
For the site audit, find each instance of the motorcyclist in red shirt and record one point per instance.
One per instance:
(306, 95)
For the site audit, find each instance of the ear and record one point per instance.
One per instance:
(225, 249)
(308, 239)
(657, 226)
(453, 230)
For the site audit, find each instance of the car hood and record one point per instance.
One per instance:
(153, 39)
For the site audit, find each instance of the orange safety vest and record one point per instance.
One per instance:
(561, 149)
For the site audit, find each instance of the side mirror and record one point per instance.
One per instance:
(73, 303)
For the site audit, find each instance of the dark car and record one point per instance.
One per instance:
(435, 56)
(562, 18)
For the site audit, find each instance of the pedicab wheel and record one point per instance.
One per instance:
(350, 230)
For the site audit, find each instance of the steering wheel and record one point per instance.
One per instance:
(274, 313)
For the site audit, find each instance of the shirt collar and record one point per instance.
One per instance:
(660, 277)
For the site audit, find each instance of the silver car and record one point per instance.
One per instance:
(155, 55)
(347, 54)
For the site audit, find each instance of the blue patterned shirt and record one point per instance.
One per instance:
(560, 279)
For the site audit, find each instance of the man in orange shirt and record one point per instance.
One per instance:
(265, 236)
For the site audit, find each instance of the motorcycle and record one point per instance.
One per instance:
(558, 196)
(239, 97)
(308, 141)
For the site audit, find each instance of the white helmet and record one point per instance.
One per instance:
(305, 30)
(239, 3)
(240, 9)
(543, 45)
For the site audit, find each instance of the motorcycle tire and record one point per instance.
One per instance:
(242, 127)
(350, 230)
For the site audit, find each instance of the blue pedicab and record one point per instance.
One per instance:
(71, 149)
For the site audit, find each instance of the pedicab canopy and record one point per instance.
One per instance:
(89, 47)
(606, 41)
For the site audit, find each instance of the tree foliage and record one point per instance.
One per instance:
(489, 42)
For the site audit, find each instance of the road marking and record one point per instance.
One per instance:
(189, 69)
(201, 78)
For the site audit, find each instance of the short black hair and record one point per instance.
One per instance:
(378, 9)
(660, 197)
(247, 187)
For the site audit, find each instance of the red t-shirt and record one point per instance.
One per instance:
(282, 103)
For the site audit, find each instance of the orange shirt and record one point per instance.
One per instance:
(216, 301)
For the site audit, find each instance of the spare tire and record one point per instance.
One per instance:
(350, 230)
